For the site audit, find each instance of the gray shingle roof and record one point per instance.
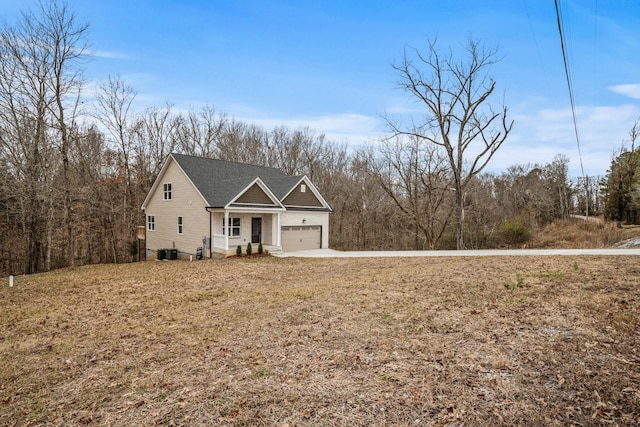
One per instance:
(220, 181)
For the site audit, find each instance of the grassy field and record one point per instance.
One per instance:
(330, 342)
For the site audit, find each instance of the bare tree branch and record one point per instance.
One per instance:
(458, 117)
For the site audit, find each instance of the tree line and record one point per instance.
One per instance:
(74, 170)
(620, 187)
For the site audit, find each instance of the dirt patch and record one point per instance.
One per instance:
(302, 342)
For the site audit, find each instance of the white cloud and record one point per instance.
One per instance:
(405, 108)
(109, 54)
(630, 90)
(539, 136)
(347, 127)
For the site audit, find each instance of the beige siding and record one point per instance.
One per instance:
(255, 195)
(299, 198)
(185, 202)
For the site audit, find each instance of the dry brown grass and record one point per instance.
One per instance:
(334, 342)
(580, 234)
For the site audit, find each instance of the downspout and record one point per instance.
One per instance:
(210, 233)
(225, 230)
(145, 236)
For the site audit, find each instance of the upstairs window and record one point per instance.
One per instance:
(303, 188)
(179, 225)
(233, 227)
(166, 191)
(151, 222)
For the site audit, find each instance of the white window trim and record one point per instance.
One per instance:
(303, 188)
(231, 227)
(180, 224)
(166, 192)
(151, 223)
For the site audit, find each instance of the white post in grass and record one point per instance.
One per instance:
(11, 281)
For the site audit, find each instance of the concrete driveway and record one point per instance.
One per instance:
(331, 253)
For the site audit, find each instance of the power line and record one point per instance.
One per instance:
(569, 85)
(535, 40)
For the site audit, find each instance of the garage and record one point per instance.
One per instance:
(299, 238)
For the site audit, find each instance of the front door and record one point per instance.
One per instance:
(256, 230)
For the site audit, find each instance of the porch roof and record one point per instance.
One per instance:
(247, 208)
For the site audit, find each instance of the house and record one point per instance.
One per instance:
(219, 205)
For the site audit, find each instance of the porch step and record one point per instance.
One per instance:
(275, 251)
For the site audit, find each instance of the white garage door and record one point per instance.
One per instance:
(301, 238)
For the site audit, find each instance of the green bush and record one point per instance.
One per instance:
(514, 231)
(260, 249)
(249, 250)
(239, 250)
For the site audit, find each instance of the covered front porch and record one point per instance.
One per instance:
(233, 227)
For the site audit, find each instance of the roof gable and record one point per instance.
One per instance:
(301, 195)
(169, 163)
(254, 195)
(309, 198)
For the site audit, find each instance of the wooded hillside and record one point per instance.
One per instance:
(75, 166)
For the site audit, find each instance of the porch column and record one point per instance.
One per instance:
(225, 230)
(278, 230)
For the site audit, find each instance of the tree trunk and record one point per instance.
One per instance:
(459, 218)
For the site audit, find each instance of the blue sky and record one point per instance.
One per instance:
(327, 64)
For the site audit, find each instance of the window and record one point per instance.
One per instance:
(179, 225)
(233, 227)
(303, 188)
(167, 191)
(151, 223)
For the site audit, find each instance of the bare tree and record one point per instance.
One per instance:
(114, 100)
(114, 110)
(458, 117)
(557, 174)
(243, 142)
(66, 40)
(199, 132)
(39, 90)
(155, 138)
(415, 176)
(23, 140)
(298, 151)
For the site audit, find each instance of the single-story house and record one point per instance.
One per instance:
(216, 205)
